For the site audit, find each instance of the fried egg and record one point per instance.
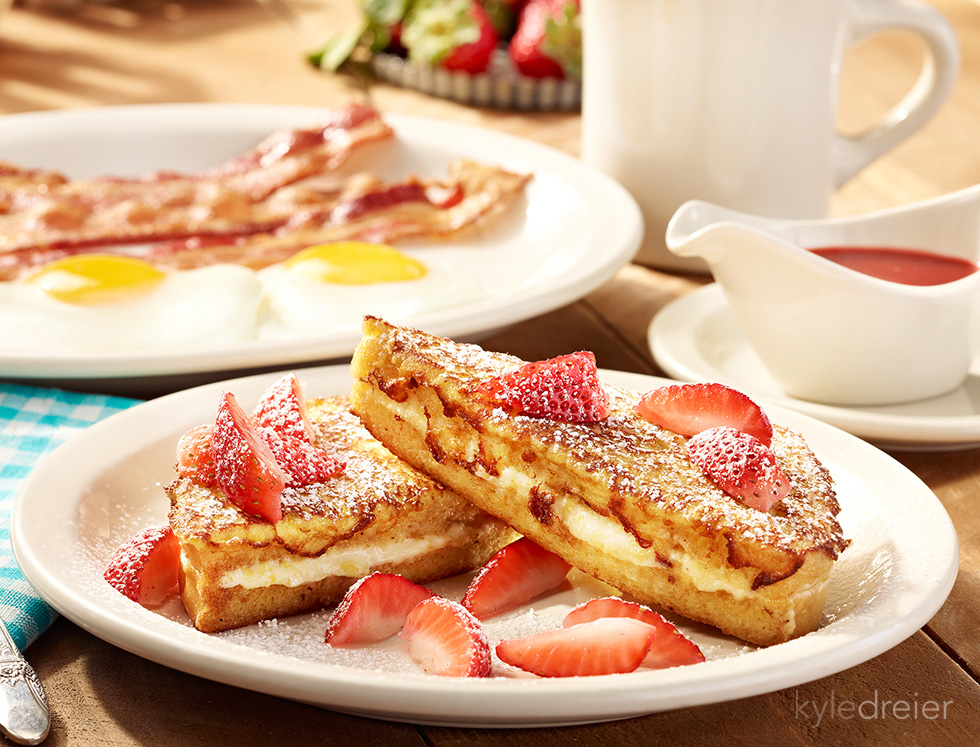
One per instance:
(110, 303)
(335, 284)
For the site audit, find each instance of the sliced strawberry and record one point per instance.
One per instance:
(246, 469)
(283, 408)
(374, 608)
(446, 639)
(741, 465)
(302, 462)
(609, 645)
(195, 455)
(689, 409)
(548, 40)
(514, 575)
(565, 388)
(452, 34)
(145, 567)
(670, 647)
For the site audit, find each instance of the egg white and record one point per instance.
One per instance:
(189, 310)
(300, 306)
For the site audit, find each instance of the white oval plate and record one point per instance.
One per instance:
(576, 228)
(697, 338)
(86, 497)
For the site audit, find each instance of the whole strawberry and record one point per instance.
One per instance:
(451, 34)
(548, 40)
(565, 388)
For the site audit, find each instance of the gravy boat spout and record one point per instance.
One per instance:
(831, 334)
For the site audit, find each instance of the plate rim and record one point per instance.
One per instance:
(621, 238)
(622, 696)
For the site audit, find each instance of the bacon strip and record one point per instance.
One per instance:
(41, 211)
(386, 213)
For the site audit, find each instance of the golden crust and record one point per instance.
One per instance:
(376, 499)
(619, 499)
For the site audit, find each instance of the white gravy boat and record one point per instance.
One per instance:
(831, 334)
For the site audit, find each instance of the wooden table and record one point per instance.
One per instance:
(148, 51)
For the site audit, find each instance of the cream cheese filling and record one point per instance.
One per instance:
(607, 535)
(352, 561)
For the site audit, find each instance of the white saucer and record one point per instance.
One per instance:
(697, 338)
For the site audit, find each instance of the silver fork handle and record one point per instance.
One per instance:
(24, 714)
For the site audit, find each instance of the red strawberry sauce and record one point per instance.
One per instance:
(906, 266)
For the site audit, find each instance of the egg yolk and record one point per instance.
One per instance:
(90, 279)
(355, 263)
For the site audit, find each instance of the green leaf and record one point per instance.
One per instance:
(502, 16)
(434, 28)
(385, 12)
(339, 48)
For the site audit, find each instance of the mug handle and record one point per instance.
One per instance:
(939, 71)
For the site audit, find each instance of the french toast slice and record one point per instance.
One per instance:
(620, 499)
(377, 514)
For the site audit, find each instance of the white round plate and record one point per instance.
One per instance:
(90, 494)
(697, 338)
(575, 229)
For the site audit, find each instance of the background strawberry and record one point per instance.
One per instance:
(548, 40)
(452, 34)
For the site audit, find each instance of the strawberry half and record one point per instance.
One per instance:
(283, 408)
(689, 409)
(445, 639)
(610, 645)
(195, 455)
(565, 388)
(516, 574)
(374, 608)
(670, 647)
(741, 465)
(245, 467)
(145, 567)
(302, 462)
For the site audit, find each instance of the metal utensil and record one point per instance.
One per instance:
(24, 714)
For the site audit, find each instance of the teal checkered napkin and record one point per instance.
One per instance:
(33, 421)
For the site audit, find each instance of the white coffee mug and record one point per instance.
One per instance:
(735, 101)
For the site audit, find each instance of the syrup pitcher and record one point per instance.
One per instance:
(735, 101)
(829, 333)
